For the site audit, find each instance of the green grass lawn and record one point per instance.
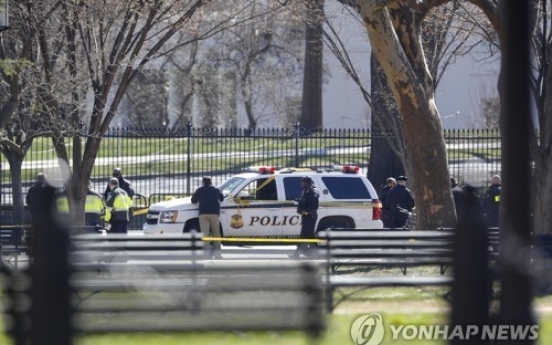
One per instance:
(338, 332)
(398, 306)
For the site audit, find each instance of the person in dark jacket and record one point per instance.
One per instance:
(472, 205)
(307, 207)
(209, 198)
(385, 210)
(123, 183)
(401, 203)
(459, 199)
(32, 194)
(491, 202)
(32, 199)
(117, 208)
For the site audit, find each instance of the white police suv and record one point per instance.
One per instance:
(261, 203)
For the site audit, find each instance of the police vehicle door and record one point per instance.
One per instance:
(292, 190)
(259, 209)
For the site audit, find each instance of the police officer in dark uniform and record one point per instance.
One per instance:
(123, 183)
(385, 210)
(33, 201)
(491, 202)
(400, 202)
(459, 199)
(307, 207)
(33, 194)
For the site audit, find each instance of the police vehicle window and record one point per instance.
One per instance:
(346, 187)
(292, 187)
(266, 190)
(230, 184)
(258, 190)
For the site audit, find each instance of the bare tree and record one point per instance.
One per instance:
(95, 49)
(443, 36)
(311, 106)
(394, 28)
(26, 109)
(263, 56)
(147, 99)
(387, 151)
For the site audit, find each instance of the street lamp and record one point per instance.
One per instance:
(4, 15)
(454, 119)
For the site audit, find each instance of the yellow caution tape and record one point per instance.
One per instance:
(265, 240)
(139, 212)
(245, 203)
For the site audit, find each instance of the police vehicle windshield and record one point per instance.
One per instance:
(229, 185)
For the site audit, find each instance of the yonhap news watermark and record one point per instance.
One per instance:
(370, 329)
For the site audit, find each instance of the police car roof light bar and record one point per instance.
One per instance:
(353, 169)
(267, 170)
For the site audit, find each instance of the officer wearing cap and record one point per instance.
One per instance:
(307, 207)
(400, 202)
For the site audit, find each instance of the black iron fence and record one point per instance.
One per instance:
(163, 162)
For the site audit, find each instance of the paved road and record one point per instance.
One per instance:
(232, 254)
(248, 252)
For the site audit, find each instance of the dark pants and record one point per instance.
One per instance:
(307, 232)
(93, 218)
(118, 227)
(386, 218)
(398, 219)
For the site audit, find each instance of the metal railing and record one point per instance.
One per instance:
(172, 162)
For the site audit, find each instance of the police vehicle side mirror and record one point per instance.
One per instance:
(243, 195)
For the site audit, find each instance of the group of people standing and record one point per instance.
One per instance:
(112, 210)
(469, 205)
(397, 202)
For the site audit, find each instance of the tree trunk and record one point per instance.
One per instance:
(77, 197)
(404, 66)
(387, 147)
(16, 161)
(251, 121)
(311, 106)
(542, 217)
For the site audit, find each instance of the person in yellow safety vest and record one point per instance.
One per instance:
(62, 202)
(118, 205)
(94, 208)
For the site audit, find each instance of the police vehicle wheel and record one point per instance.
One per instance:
(192, 225)
(334, 223)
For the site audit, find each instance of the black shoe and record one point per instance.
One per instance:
(313, 254)
(295, 255)
(216, 254)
